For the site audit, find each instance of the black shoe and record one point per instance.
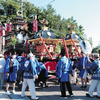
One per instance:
(81, 87)
(74, 83)
(97, 96)
(88, 95)
(84, 87)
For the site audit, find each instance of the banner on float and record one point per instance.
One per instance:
(1, 30)
(9, 27)
(35, 27)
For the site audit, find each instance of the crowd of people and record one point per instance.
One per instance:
(26, 69)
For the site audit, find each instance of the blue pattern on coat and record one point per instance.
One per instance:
(95, 69)
(63, 68)
(29, 69)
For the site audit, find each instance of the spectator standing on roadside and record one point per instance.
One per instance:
(2, 66)
(63, 69)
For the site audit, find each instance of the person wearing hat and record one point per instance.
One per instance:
(83, 66)
(29, 68)
(94, 69)
(63, 68)
(2, 66)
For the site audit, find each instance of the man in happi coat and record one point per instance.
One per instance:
(94, 69)
(10, 72)
(29, 74)
(63, 68)
(83, 66)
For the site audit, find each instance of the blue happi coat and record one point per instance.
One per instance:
(36, 65)
(12, 75)
(63, 68)
(6, 69)
(42, 66)
(20, 60)
(29, 69)
(94, 69)
(83, 63)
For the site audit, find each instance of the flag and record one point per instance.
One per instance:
(1, 30)
(35, 27)
(9, 27)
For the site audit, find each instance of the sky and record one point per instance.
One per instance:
(85, 12)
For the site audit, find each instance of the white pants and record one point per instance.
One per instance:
(85, 74)
(73, 79)
(74, 76)
(31, 85)
(93, 85)
(2, 79)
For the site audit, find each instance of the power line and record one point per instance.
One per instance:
(39, 2)
(49, 3)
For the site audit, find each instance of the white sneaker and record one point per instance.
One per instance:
(13, 92)
(20, 83)
(43, 85)
(35, 98)
(71, 95)
(22, 96)
(63, 97)
(39, 84)
(8, 93)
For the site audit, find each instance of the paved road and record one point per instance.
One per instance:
(52, 92)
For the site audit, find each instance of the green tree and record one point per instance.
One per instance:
(90, 41)
(59, 26)
(13, 41)
(58, 48)
(28, 11)
(95, 50)
(9, 7)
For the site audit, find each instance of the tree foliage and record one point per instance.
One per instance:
(9, 8)
(13, 41)
(59, 26)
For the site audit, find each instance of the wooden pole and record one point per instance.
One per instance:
(46, 48)
(75, 47)
(65, 48)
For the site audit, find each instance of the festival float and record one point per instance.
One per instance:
(45, 44)
(16, 31)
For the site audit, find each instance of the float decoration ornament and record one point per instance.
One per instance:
(86, 47)
(19, 13)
